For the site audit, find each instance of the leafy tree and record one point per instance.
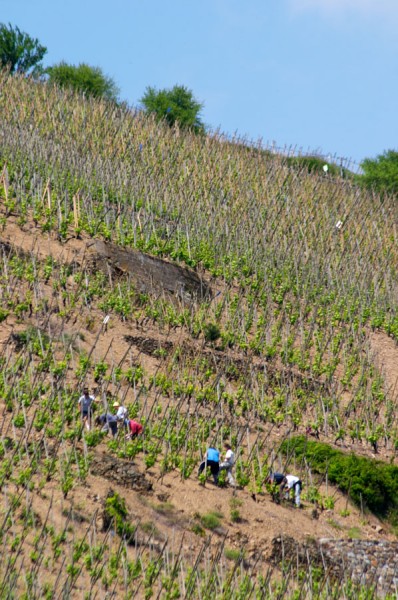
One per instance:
(84, 78)
(19, 52)
(381, 173)
(176, 105)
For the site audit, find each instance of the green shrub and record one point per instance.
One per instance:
(211, 332)
(368, 482)
(84, 78)
(175, 105)
(116, 511)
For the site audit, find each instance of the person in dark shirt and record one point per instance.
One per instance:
(275, 483)
(275, 478)
(108, 422)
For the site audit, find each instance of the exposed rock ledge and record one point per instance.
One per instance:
(119, 471)
(151, 273)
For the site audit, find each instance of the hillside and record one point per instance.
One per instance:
(238, 312)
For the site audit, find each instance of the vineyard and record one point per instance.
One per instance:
(223, 293)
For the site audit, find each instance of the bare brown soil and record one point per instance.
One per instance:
(174, 505)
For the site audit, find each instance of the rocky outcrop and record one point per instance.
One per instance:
(119, 471)
(152, 274)
(148, 345)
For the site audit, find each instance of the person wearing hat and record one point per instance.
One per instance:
(121, 411)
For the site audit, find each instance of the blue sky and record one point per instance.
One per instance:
(314, 75)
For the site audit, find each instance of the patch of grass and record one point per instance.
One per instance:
(211, 520)
(354, 533)
(150, 528)
(335, 524)
(164, 508)
(234, 554)
(198, 529)
(75, 515)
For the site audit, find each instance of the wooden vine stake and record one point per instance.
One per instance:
(47, 191)
(119, 220)
(139, 220)
(4, 181)
(76, 209)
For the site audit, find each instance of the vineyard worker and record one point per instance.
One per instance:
(108, 422)
(121, 412)
(228, 463)
(276, 479)
(293, 484)
(85, 404)
(134, 428)
(212, 460)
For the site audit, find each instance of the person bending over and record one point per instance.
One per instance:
(212, 460)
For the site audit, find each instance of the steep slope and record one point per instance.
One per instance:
(237, 312)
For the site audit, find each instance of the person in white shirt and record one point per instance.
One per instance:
(228, 463)
(121, 413)
(85, 404)
(292, 483)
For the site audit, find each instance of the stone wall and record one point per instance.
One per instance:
(369, 563)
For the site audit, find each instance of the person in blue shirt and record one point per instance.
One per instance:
(212, 460)
(108, 422)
